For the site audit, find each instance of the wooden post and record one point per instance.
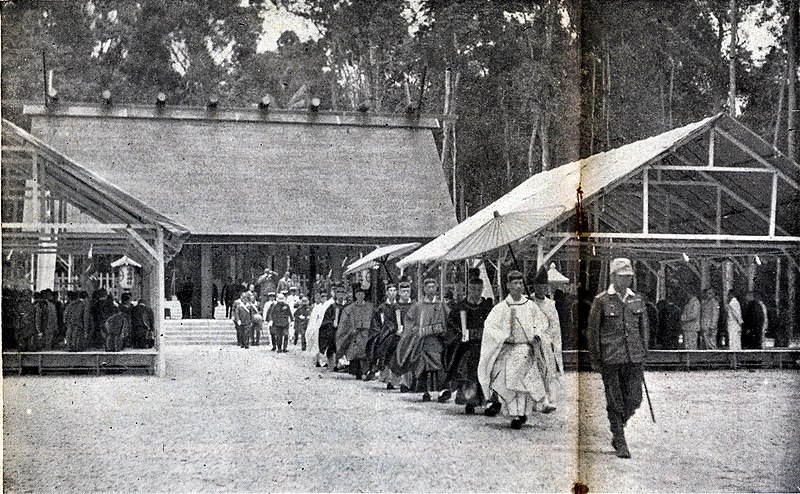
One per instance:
(206, 280)
(419, 281)
(442, 279)
(645, 202)
(791, 298)
(661, 282)
(727, 279)
(157, 281)
(778, 286)
(751, 274)
(773, 205)
(705, 273)
(711, 147)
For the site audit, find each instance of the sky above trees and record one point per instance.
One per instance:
(533, 85)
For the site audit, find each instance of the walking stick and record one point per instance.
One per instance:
(647, 394)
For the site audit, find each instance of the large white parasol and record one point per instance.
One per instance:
(379, 256)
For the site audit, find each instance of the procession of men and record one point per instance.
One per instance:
(504, 358)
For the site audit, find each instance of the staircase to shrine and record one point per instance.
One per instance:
(199, 332)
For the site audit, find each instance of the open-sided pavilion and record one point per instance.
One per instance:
(711, 198)
(55, 208)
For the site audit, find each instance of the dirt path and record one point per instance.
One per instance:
(232, 420)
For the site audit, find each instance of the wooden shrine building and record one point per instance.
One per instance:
(303, 191)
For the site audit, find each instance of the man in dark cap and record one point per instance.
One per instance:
(382, 324)
(511, 353)
(351, 337)
(466, 323)
(618, 333)
(392, 329)
(330, 323)
(301, 317)
(420, 347)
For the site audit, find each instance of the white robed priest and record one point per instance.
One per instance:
(321, 304)
(517, 361)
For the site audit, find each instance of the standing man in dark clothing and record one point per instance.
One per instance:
(229, 296)
(102, 309)
(185, 295)
(142, 326)
(754, 322)
(214, 298)
(27, 340)
(420, 348)
(301, 316)
(669, 335)
(118, 326)
(466, 322)
(243, 320)
(383, 324)
(280, 315)
(330, 323)
(618, 334)
(74, 315)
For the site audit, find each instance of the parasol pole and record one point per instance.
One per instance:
(516, 264)
(383, 263)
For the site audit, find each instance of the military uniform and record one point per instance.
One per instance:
(617, 334)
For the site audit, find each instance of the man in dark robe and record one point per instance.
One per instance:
(330, 323)
(27, 338)
(142, 326)
(118, 326)
(102, 308)
(390, 331)
(754, 322)
(74, 315)
(382, 317)
(301, 317)
(465, 322)
(9, 318)
(351, 337)
(420, 348)
(669, 335)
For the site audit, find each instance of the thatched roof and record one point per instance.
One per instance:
(244, 174)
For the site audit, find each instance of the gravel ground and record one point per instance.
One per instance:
(232, 420)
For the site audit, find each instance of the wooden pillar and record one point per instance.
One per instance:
(157, 275)
(419, 281)
(206, 282)
(705, 273)
(791, 298)
(778, 286)
(751, 274)
(231, 250)
(442, 279)
(727, 279)
(661, 282)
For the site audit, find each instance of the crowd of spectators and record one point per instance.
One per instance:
(41, 321)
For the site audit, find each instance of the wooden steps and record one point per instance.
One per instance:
(219, 332)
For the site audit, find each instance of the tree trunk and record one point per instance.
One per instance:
(543, 135)
(792, 80)
(734, 19)
(776, 131)
(507, 149)
(594, 103)
(532, 141)
(446, 128)
(671, 90)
